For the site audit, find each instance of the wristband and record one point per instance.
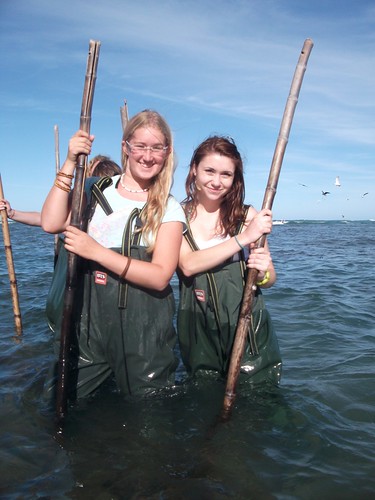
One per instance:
(265, 279)
(238, 243)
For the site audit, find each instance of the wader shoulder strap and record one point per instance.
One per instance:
(210, 276)
(98, 195)
(130, 237)
(242, 252)
(252, 330)
(95, 195)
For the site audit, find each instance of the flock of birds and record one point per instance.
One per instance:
(326, 193)
(337, 184)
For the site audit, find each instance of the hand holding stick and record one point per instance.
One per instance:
(250, 287)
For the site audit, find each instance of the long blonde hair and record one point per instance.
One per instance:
(162, 183)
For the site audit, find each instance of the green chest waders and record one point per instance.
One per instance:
(207, 319)
(123, 329)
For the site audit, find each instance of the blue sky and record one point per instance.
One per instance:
(212, 66)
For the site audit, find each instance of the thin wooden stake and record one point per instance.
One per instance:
(250, 287)
(124, 120)
(10, 264)
(57, 149)
(124, 115)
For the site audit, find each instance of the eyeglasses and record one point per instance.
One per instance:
(158, 149)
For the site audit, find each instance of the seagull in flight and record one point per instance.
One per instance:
(324, 193)
(364, 194)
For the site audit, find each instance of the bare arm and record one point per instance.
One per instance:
(191, 262)
(55, 215)
(29, 218)
(155, 274)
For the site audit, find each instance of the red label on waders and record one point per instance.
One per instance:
(200, 294)
(100, 278)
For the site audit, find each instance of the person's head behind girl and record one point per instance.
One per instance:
(231, 208)
(103, 167)
(160, 185)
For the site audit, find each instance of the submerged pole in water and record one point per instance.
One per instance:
(10, 264)
(250, 287)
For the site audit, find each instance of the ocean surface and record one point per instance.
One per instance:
(311, 438)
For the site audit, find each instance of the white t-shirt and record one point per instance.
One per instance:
(108, 229)
(216, 240)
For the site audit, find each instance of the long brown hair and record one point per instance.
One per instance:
(162, 183)
(231, 209)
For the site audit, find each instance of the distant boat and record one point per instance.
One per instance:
(337, 182)
(279, 222)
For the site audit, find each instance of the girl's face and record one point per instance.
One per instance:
(214, 176)
(147, 153)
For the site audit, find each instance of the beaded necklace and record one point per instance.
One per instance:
(132, 190)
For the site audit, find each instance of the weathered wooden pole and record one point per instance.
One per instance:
(124, 114)
(71, 277)
(250, 287)
(10, 264)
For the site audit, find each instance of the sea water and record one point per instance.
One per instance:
(312, 437)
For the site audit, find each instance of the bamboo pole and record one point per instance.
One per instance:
(71, 278)
(10, 264)
(57, 149)
(270, 192)
(124, 119)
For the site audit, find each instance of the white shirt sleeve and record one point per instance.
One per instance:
(174, 211)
